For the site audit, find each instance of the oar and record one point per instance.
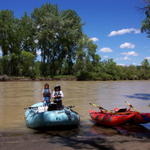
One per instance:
(131, 106)
(31, 108)
(98, 106)
(109, 111)
(39, 106)
(71, 106)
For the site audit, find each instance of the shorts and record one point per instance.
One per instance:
(46, 100)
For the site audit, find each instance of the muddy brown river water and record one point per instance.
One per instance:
(15, 96)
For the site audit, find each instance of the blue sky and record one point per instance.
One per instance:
(114, 25)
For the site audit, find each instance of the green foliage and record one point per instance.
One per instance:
(145, 70)
(66, 52)
(26, 34)
(18, 65)
(1, 67)
(7, 31)
(58, 33)
(5, 64)
(83, 75)
(37, 68)
(27, 64)
(146, 22)
(87, 61)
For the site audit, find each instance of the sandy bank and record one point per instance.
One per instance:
(63, 141)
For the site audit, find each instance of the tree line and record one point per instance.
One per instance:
(58, 37)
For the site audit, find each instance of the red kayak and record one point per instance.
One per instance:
(110, 119)
(138, 118)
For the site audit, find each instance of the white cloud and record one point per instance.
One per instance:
(126, 58)
(106, 50)
(94, 39)
(124, 31)
(148, 58)
(130, 53)
(122, 58)
(38, 52)
(105, 57)
(127, 45)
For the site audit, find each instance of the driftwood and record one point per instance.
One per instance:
(4, 78)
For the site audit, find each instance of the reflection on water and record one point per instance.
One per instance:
(15, 96)
(141, 96)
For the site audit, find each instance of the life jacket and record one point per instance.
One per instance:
(57, 93)
(46, 93)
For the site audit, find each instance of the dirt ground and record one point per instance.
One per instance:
(56, 141)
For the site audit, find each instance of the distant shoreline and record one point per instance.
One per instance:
(5, 78)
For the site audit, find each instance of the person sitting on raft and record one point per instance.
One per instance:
(46, 94)
(58, 95)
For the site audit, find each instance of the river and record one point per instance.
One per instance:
(15, 96)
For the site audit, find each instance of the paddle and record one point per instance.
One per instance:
(109, 111)
(131, 106)
(98, 106)
(34, 107)
(71, 106)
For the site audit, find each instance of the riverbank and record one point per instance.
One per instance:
(55, 78)
(69, 140)
(63, 78)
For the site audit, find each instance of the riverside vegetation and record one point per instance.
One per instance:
(50, 42)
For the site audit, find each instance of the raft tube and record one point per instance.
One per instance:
(109, 119)
(37, 116)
